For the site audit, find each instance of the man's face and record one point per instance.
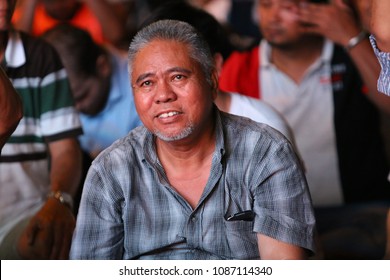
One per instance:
(171, 94)
(6, 12)
(278, 20)
(90, 93)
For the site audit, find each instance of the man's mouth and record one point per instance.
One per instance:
(167, 114)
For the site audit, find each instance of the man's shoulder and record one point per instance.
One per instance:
(33, 42)
(40, 54)
(132, 143)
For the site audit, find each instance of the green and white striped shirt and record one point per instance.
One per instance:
(39, 77)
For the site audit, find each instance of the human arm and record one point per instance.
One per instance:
(337, 23)
(25, 15)
(284, 215)
(49, 233)
(272, 249)
(112, 27)
(99, 232)
(11, 108)
(380, 22)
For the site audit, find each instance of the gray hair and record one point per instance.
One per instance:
(178, 31)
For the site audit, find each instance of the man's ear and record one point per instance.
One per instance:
(218, 60)
(103, 65)
(215, 85)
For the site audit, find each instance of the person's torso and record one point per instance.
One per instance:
(308, 108)
(48, 114)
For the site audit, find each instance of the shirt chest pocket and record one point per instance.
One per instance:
(241, 239)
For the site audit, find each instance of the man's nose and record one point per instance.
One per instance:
(165, 92)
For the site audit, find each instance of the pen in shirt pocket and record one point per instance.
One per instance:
(246, 215)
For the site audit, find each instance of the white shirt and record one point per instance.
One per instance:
(308, 109)
(259, 111)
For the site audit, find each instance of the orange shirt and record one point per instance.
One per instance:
(84, 19)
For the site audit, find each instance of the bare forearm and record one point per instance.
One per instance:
(66, 166)
(26, 15)
(49, 232)
(113, 28)
(272, 249)
(380, 22)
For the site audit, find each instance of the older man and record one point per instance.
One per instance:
(193, 182)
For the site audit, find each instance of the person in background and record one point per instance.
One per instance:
(195, 182)
(316, 67)
(98, 17)
(380, 41)
(363, 10)
(40, 163)
(100, 85)
(238, 17)
(11, 110)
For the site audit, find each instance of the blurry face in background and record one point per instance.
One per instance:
(89, 92)
(6, 11)
(61, 9)
(278, 21)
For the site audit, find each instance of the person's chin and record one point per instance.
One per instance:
(174, 136)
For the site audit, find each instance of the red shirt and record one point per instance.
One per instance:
(240, 73)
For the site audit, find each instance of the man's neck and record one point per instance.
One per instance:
(190, 151)
(187, 153)
(187, 164)
(223, 101)
(294, 60)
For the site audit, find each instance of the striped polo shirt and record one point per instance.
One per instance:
(38, 76)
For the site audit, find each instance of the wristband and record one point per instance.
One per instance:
(62, 197)
(354, 41)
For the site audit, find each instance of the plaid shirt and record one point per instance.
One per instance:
(384, 60)
(130, 211)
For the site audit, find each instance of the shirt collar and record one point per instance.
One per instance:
(14, 53)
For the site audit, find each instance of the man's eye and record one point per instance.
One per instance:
(288, 6)
(146, 84)
(178, 77)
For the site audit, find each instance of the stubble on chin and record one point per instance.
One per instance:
(175, 137)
